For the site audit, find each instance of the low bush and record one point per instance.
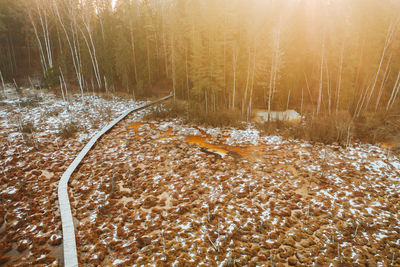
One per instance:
(27, 127)
(68, 130)
(50, 78)
(331, 129)
(31, 102)
(273, 127)
(216, 118)
(327, 129)
(52, 112)
(377, 128)
(172, 109)
(105, 112)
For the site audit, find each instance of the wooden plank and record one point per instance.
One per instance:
(68, 228)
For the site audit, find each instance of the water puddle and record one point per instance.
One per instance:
(203, 141)
(261, 115)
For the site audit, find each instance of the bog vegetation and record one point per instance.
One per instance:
(322, 58)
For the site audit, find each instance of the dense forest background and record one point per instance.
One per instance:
(317, 55)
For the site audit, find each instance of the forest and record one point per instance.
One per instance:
(318, 57)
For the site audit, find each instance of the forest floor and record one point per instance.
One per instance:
(33, 156)
(169, 193)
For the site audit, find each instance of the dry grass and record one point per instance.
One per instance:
(194, 114)
(68, 130)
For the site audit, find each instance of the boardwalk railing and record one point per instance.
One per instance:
(69, 244)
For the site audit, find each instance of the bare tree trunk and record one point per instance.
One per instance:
(247, 82)
(91, 58)
(2, 82)
(252, 85)
(61, 87)
(395, 91)
(328, 87)
(274, 68)
(42, 57)
(65, 84)
(44, 24)
(173, 66)
(105, 84)
(75, 59)
(97, 71)
(287, 103)
(339, 83)
(302, 100)
(309, 94)
(321, 77)
(165, 55)
(187, 72)
(148, 59)
(134, 56)
(384, 80)
(388, 40)
(235, 56)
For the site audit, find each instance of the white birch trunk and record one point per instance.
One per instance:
(395, 91)
(339, 83)
(384, 80)
(321, 78)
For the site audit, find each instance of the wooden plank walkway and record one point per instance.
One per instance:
(69, 244)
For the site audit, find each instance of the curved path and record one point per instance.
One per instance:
(69, 244)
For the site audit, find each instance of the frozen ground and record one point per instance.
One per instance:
(166, 193)
(152, 194)
(33, 157)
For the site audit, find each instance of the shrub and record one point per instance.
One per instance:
(50, 78)
(67, 130)
(327, 129)
(215, 119)
(272, 127)
(27, 127)
(376, 128)
(52, 112)
(331, 129)
(31, 101)
(105, 112)
(172, 109)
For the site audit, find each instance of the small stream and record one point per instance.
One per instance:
(203, 141)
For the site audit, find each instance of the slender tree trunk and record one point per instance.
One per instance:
(384, 80)
(75, 59)
(302, 100)
(235, 56)
(339, 82)
(247, 81)
(173, 66)
(148, 59)
(321, 78)
(328, 87)
(187, 71)
(395, 91)
(2, 82)
(133, 55)
(42, 57)
(91, 58)
(252, 85)
(61, 87)
(44, 24)
(65, 84)
(97, 71)
(388, 40)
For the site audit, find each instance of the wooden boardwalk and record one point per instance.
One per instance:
(69, 244)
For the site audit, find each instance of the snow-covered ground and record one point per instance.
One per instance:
(149, 195)
(31, 164)
(167, 193)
